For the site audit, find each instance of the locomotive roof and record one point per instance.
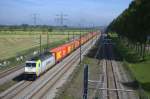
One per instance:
(43, 56)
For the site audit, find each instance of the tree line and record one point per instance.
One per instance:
(133, 24)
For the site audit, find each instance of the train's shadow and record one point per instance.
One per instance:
(136, 85)
(24, 77)
(133, 84)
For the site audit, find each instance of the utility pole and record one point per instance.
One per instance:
(34, 16)
(92, 32)
(61, 18)
(80, 45)
(68, 35)
(40, 44)
(35, 19)
(47, 40)
(73, 38)
(73, 35)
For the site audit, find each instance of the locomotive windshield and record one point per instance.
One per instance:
(30, 65)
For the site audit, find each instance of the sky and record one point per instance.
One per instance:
(83, 12)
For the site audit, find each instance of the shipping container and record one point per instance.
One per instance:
(64, 50)
(82, 40)
(77, 43)
(72, 45)
(68, 48)
(57, 53)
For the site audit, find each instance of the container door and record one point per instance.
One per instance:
(58, 55)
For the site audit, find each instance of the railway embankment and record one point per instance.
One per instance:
(137, 68)
(73, 89)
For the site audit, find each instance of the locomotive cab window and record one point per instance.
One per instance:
(30, 65)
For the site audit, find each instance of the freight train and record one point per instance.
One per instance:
(39, 64)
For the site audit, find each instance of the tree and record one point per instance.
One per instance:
(133, 23)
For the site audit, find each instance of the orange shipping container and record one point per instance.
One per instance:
(57, 53)
(82, 40)
(68, 48)
(77, 43)
(64, 51)
(72, 46)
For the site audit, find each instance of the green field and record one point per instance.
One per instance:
(12, 43)
(58, 32)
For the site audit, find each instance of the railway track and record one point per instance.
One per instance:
(51, 86)
(14, 90)
(98, 55)
(8, 71)
(10, 74)
(65, 73)
(111, 79)
(48, 85)
(28, 89)
(21, 86)
(123, 77)
(113, 75)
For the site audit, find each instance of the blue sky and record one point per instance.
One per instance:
(85, 12)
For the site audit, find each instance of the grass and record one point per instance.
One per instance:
(16, 43)
(73, 89)
(141, 72)
(139, 69)
(11, 45)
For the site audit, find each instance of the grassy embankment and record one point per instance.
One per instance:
(139, 68)
(73, 89)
